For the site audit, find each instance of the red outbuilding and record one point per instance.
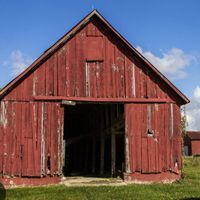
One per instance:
(192, 143)
(91, 104)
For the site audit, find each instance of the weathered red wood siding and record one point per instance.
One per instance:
(25, 126)
(92, 64)
(195, 147)
(158, 152)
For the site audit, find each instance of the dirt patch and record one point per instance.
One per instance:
(91, 181)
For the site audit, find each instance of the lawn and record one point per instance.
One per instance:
(187, 188)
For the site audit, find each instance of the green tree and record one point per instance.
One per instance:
(183, 127)
(183, 122)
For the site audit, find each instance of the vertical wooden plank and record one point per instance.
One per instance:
(91, 78)
(98, 80)
(67, 69)
(43, 172)
(131, 162)
(113, 154)
(19, 128)
(103, 69)
(178, 132)
(171, 121)
(23, 143)
(55, 74)
(80, 59)
(1, 139)
(58, 137)
(93, 154)
(133, 89)
(161, 136)
(39, 77)
(152, 141)
(107, 68)
(15, 166)
(127, 138)
(7, 138)
(139, 125)
(28, 88)
(27, 143)
(13, 140)
(93, 73)
(139, 81)
(167, 138)
(59, 71)
(120, 73)
(62, 71)
(87, 151)
(38, 136)
(102, 153)
(171, 134)
(156, 136)
(35, 141)
(47, 139)
(53, 139)
(87, 79)
(145, 160)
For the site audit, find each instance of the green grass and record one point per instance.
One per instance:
(187, 188)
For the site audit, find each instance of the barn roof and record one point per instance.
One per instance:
(182, 98)
(193, 135)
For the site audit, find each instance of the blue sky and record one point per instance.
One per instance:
(166, 32)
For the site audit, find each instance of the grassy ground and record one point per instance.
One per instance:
(188, 188)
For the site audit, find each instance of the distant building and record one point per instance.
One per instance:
(192, 143)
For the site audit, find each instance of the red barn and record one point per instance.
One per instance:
(192, 143)
(90, 105)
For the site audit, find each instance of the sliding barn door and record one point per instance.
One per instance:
(52, 138)
(41, 145)
(146, 126)
(30, 148)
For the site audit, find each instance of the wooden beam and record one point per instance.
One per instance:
(77, 139)
(103, 100)
(93, 154)
(69, 103)
(87, 145)
(102, 153)
(113, 154)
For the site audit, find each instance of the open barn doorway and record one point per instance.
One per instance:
(94, 140)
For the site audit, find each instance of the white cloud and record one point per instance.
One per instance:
(18, 62)
(172, 63)
(193, 111)
(197, 93)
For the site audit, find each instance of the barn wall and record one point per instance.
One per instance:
(195, 147)
(156, 152)
(30, 138)
(91, 64)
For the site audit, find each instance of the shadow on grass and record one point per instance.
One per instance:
(2, 192)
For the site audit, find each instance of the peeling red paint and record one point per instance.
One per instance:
(93, 66)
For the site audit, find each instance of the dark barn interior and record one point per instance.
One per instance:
(94, 140)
